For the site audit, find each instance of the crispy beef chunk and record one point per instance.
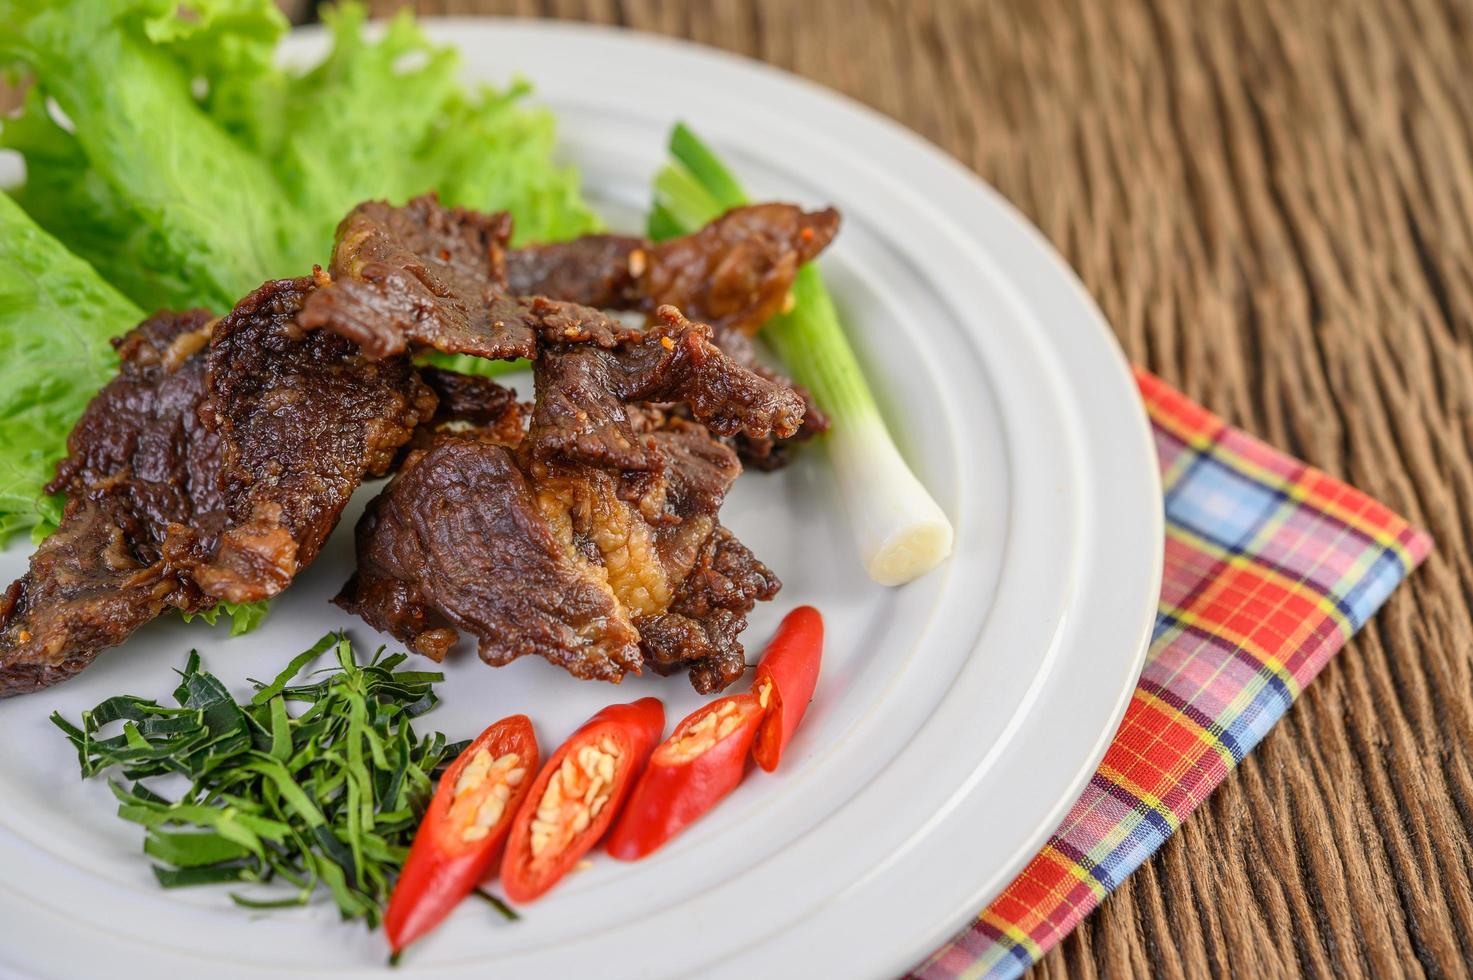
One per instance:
(734, 274)
(139, 463)
(212, 467)
(770, 452)
(646, 530)
(457, 538)
(218, 461)
(601, 271)
(582, 391)
(719, 579)
(423, 275)
(595, 524)
(472, 406)
(302, 420)
(144, 427)
(469, 398)
(700, 630)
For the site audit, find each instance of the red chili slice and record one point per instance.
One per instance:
(786, 677)
(690, 772)
(577, 795)
(463, 829)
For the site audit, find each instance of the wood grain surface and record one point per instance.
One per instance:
(1272, 201)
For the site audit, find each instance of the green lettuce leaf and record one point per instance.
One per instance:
(188, 168)
(244, 617)
(209, 219)
(56, 316)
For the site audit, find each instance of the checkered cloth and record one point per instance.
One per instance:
(1270, 567)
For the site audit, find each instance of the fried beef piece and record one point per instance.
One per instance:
(593, 526)
(734, 274)
(469, 398)
(701, 629)
(423, 275)
(212, 467)
(139, 463)
(601, 271)
(472, 406)
(457, 538)
(770, 452)
(719, 580)
(645, 530)
(582, 391)
(302, 420)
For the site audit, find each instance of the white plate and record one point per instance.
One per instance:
(957, 718)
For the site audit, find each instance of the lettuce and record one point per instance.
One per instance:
(244, 616)
(390, 119)
(206, 220)
(56, 315)
(164, 145)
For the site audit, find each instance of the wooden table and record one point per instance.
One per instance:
(1272, 200)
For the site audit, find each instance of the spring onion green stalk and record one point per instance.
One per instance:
(901, 531)
(329, 797)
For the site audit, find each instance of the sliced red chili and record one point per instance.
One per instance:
(690, 772)
(577, 795)
(463, 829)
(786, 677)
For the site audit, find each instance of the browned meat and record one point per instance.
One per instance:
(596, 270)
(472, 406)
(142, 431)
(423, 275)
(734, 274)
(457, 538)
(139, 462)
(582, 391)
(469, 398)
(701, 628)
(302, 420)
(646, 530)
(219, 460)
(593, 526)
(212, 467)
(770, 452)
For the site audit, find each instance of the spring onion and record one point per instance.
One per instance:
(329, 797)
(901, 531)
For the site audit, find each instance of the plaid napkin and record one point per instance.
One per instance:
(1270, 567)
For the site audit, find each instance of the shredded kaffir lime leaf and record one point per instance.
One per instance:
(328, 798)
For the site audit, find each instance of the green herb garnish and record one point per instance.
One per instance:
(506, 911)
(329, 797)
